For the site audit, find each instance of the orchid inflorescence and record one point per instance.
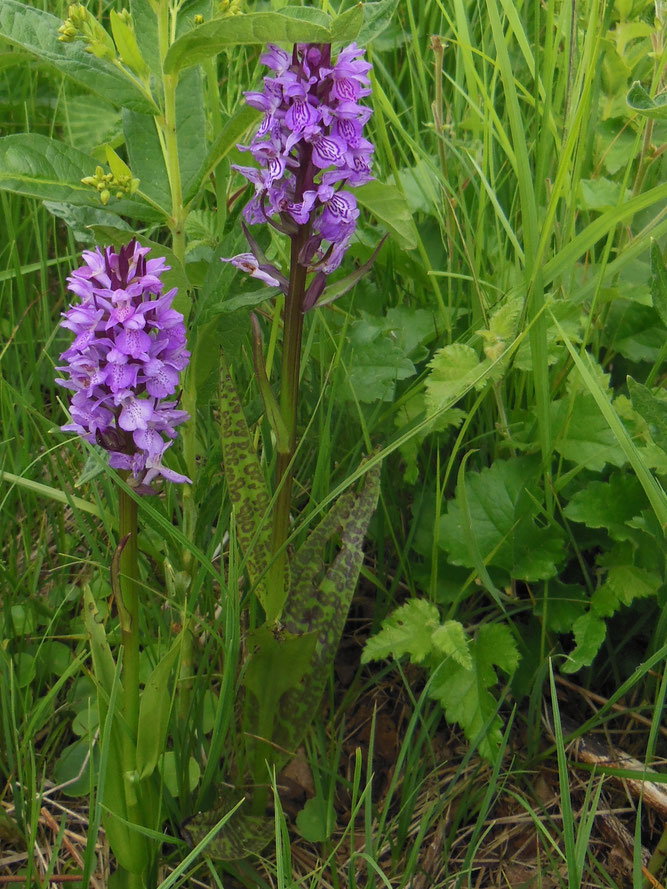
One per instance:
(124, 363)
(309, 145)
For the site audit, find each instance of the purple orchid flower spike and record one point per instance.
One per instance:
(310, 150)
(125, 360)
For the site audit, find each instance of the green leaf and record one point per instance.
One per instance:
(450, 639)
(609, 504)
(582, 434)
(191, 128)
(252, 28)
(464, 693)
(145, 29)
(659, 282)
(43, 168)
(388, 205)
(319, 600)
(312, 821)
(652, 409)
(126, 44)
(346, 27)
(246, 485)
(146, 158)
(623, 584)
(502, 505)
(589, 634)
(169, 773)
(377, 17)
(639, 100)
(453, 370)
(233, 131)
(154, 709)
(559, 605)
(37, 31)
(375, 367)
(408, 630)
(88, 122)
(601, 193)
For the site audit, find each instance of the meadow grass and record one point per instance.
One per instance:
(534, 195)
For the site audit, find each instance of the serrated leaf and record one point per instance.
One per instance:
(601, 193)
(375, 368)
(408, 630)
(388, 205)
(450, 639)
(37, 31)
(464, 693)
(589, 634)
(623, 584)
(251, 28)
(502, 514)
(652, 409)
(608, 504)
(639, 100)
(44, 168)
(453, 369)
(658, 282)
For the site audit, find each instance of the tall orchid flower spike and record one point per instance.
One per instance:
(124, 364)
(310, 149)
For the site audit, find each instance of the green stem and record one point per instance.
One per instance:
(289, 399)
(128, 608)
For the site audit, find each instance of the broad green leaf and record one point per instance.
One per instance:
(252, 28)
(450, 639)
(659, 282)
(313, 821)
(346, 27)
(464, 693)
(582, 434)
(233, 130)
(601, 193)
(321, 605)
(589, 634)
(639, 100)
(72, 768)
(44, 168)
(652, 409)
(623, 584)
(502, 505)
(309, 15)
(146, 158)
(81, 220)
(242, 835)
(37, 31)
(559, 605)
(410, 629)
(377, 17)
(246, 485)
(191, 128)
(635, 331)
(169, 771)
(89, 122)
(374, 367)
(609, 504)
(154, 709)
(145, 29)
(388, 205)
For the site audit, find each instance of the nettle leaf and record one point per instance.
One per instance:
(609, 504)
(652, 408)
(464, 693)
(212, 37)
(408, 630)
(37, 31)
(450, 639)
(639, 100)
(623, 584)
(453, 370)
(376, 364)
(582, 434)
(246, 484)
(388, 205)
(658, 282)
(319, 600)
(589, 634)
(501, 506)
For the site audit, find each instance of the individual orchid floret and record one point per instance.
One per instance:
(247, 263)
(126, 358)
